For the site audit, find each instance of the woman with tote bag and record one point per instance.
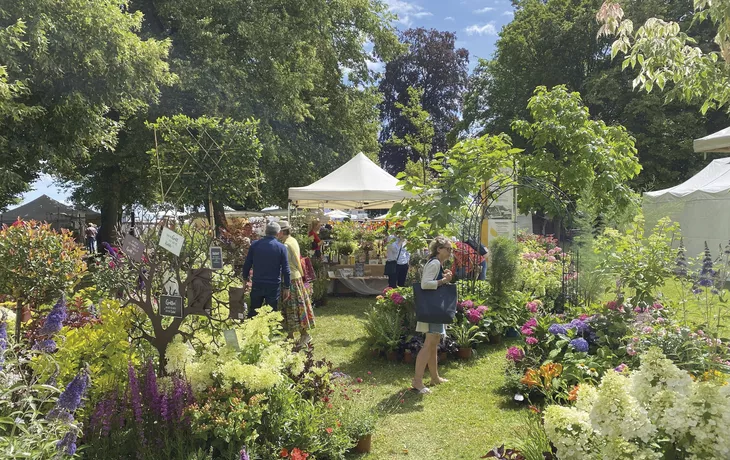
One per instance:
(434, 277)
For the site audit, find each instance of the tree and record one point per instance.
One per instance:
(434, 65)
(665, 54)
(573, 152)
(207, 159)
(78, 70)
(419, 143)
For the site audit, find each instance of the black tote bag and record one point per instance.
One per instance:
(435, 306)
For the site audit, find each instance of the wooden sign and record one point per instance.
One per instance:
(359, 270)
(133, 248)
(237, 305)
(216, 258)
(171, 241)
(199, 291)
(171, 305)
(231, 339)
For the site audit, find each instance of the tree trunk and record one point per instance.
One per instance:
(110, 211)
(219, 215)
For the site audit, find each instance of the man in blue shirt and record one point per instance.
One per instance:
(269, 260)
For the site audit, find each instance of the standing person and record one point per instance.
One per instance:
(270, 262)
(396, 251)
(316, 241)
(90, 238)
(297, 310)
(434, 276)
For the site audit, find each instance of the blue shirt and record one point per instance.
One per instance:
(397, 251)
(270, 260)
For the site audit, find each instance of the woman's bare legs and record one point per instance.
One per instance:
(428, 356)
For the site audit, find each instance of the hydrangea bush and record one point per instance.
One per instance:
(655, 412)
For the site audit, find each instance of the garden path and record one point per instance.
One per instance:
(462, 419)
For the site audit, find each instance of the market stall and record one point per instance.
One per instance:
(358, 184)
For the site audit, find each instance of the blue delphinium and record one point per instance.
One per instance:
(557, 329)
(3, 340)
(706, 272)
(681, 260)
(68, 443)
(579, 344)
(244, 454)
(54, 320)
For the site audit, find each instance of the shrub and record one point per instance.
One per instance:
(504, 266)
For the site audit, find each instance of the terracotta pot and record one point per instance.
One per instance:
(442, 357)
(408, 357)
(363, 444)
(392, 356)
(495, 338)
(464, 353)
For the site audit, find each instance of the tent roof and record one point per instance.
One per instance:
(711, 183)
(45, 208)
(715, 142)
(359, 183)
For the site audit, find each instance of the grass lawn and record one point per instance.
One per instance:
(697, 308)
(461, 419)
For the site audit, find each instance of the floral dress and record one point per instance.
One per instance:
(297, 311)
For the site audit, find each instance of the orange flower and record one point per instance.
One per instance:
(329, 430)
(284, 453)
(534, 409)
(297, 454)
(551, 370)
(573, 396)
(531, 378)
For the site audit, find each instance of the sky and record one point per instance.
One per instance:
(475, 22)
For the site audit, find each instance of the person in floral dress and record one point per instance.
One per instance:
(297, 310)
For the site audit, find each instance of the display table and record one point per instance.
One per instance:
(372, 283)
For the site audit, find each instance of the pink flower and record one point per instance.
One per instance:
(637, 309)
(583, 317)
(612, 305)
(700, 332)
(532, 322)
(527, 330)
(660, 320)
(397, 298)
(647, 330)
(657, 306)
(467, 304)
(630, 351)
(532, 307)
(482, 309)
(531, 340)
(385, 291)
(473, 316)
(515, 354)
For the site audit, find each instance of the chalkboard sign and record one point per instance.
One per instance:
(216, 258)
(133, 248)
(359, 270)
(171, 305)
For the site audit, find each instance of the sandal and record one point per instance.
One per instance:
(423, 391)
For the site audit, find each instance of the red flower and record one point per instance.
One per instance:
(329, 430)
(358, 380)
(297, 454)
(284, 453)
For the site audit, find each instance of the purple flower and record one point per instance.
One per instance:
(515, 354)
(68, 443)
(3, 335)
(54, 320)
(397, 298)
(467, 304)
(135, 400)
(706, 273)
(621, 368)
(164, 408)
(151, 393)
(244, 454)
(557, 329)
(579, 344)
(46, 346)
(71, 398)
(532, 322)
(531, 341)
(473, 316)
(581, 327)
(482, 309)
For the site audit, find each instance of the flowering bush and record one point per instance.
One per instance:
(391, 320)
(541, 268)
(655, 412)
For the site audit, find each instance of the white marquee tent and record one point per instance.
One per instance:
(715, 142)
(358, 184)
(701, 205)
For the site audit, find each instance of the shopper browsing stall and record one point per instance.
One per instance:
(397, 259)
(297, 309)
(270, 262)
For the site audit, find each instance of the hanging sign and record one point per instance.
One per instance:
(216, 258)
(199, 291)
(171, 241)
(170, 285)
(171, 305)
(133, 248)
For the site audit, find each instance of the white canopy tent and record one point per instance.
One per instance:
(715, 142)
(358, 184)
(701, 205)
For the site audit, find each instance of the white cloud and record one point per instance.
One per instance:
(508, 13)
(406, 11)
(375, 66)
(483, 10)
(486, 29)
(448, 18)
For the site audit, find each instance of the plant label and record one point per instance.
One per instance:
(216, 258)
(171, 241)
(359, 270)
(133, 248)
(171, 305)
(231, 339)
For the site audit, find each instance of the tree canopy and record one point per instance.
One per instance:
(435, 66)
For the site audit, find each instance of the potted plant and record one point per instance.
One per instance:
(499, 322)
(384, 329)
(465, 335)
(361, 425)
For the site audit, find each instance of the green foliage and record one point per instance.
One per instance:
(225, 158)
(102, 346)
(461, 173)
(504, 256)
(572, 151)
(465, 335)
(36, 262)
(384, 328)
(637, 262)
(419, 143)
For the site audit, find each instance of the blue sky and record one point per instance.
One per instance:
(475, 22)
